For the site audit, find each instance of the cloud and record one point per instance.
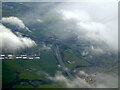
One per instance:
(86, 21)
(97, 50)
(78, 15)
(79, 21)
(100, 80)
(83, 73)
(8, 40)
(106, 80)
(74, 83)
(89, 29)
(15, 21)
(99, 32)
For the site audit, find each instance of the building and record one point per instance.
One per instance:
(24, 57)
(11, 56)
(37, 57)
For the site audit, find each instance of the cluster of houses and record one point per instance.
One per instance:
(11, 56)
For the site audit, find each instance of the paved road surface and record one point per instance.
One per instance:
(57, 52)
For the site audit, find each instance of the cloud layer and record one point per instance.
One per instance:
(91, 30)
(74, 83)
(8, 40)
(14, 21)
(86, 21)
(100, 80)
(78, 15)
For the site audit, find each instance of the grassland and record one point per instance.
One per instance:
(69, 55)
(14, 70)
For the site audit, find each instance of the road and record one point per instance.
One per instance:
(57, 52)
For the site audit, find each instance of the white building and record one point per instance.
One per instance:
(2, 55)
(10, 55)
(30, 57)
(2, 58)
(18, 57)
(24, 57)
(37, 57)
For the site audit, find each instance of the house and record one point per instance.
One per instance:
(6, 57)
(24, 57)
(18, 57)
(37, 57)
(2, 58)
(10, 56)
(2, 55)
(69, 62)
(30, 57)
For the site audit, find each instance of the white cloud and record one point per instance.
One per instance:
(15, 21)
(74, 83)
(83, 73)
(78, 15)
(100, 33)
(100, 80)
(97, 50)
(106, 81)
(92, 30)
(91, 26)
(10, 41)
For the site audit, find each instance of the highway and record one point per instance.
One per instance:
(57, 53)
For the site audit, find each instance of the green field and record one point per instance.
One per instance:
(69, 55)
(15, 70)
